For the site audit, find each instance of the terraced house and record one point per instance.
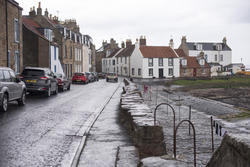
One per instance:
(11, 52)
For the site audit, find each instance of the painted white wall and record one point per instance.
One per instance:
(136, 62)
(227, 56)
(86, 53)
(55, 64)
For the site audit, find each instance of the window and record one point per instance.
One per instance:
(17, 62)
(170, 72)
(109, 62)
(219, 47)
(71, 52)
(16, 30)
(199, 46)
(117, 69)
(48, 34)
(8, 61)
(150, 72)
(160, 61)
(113, 62)
(125, 70)
(184, 71)
(6, 76)
(121, 70)
(221, 57)
(150, 62)
(203, 70)
(70, 69)
(206, 57)
(54, 68)
(12, 76)
(121, 59)
(202, 62)
(184, 62)
(170, 62)
(133, 71)
(125, 60)
(65, 50)
(1, 76)
(139, 71)
(215, 58)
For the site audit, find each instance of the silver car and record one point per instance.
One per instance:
(11, 88)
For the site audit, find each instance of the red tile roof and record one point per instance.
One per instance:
(32, 26)
(192, 62)
(157, 52)
(180, 53)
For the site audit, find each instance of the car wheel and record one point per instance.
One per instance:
(68, 87)
(48, 92)
(4, 105)
(22, 100)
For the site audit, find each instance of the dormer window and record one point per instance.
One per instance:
(184, 62)
(202, 62)
(199, 47)
(219, 47)
(48, 34)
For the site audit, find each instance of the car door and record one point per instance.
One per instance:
(53, 81)
(9, 84)
(17, 86)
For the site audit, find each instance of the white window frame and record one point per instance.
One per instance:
(16, 30)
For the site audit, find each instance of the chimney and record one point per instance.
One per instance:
(171, 43)
(143, 41)
(183, 40)
(50, 16)
(128, 43)
(123, 44)
(39, 9)
(224, 40)
(32, 12)
(46, 13)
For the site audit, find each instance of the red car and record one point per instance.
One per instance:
(79, 77)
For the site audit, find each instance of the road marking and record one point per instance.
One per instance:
(87, 127)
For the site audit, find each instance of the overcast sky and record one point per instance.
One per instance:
(158, 20)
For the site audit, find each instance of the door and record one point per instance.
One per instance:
(194, 72)
(161, 74)
(17, 87)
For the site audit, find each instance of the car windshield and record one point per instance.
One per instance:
(112, 74)
(79, 74)
(33, 72)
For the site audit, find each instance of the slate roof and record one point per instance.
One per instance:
(114, 53)
(207, 46)
(126, 52)
(32, 26)
(157, 52)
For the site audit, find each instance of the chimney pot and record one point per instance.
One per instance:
(143, 41)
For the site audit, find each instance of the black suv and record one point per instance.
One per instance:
(11, 88)
(39, 80)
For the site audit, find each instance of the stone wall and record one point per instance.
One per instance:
(234, 151)
(138, 119)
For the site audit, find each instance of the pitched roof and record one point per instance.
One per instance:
(192, 62)
(180, 52)
(32, 26)
(157, 52)
(114, 53)
(126, 52)
(207, 46)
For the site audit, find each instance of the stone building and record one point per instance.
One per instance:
(11, 45)
(104, 51)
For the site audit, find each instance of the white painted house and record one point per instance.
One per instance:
(217, 52)
(154, 62)
(55, 64)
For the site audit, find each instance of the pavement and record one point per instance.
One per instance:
(108, 143)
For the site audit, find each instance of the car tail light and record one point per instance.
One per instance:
(59, 80)
(44, 78)
(20, 76)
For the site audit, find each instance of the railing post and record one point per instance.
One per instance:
(212, 134)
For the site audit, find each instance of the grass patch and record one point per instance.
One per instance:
(233, 82)
(242, 115)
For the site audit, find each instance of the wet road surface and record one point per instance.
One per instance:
(43, 132)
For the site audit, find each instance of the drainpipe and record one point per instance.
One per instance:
(7, 38)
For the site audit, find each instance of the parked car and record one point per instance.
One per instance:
(63, 82)
(96, 78)
(11, 88)
(101, 75)
(80, 77)
(112, 77)
(90, 76)
(40, 80)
